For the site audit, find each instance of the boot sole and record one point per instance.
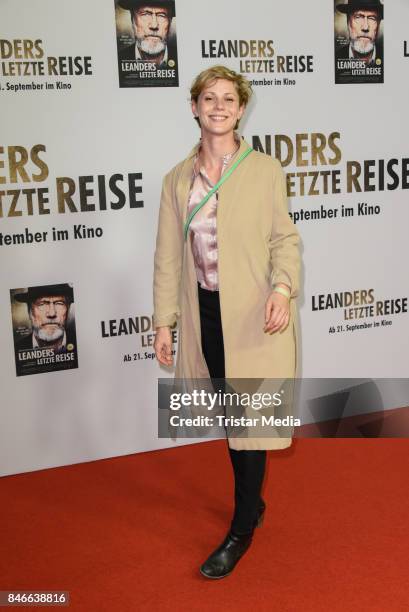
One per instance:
(215, 577)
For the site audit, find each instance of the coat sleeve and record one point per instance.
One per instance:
(168, 258)
(284, 238)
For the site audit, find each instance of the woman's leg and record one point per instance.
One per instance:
(248, 466)
(212, 333)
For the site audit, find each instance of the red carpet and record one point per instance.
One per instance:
(130, 533)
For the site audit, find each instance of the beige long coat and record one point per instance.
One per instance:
(257, 247)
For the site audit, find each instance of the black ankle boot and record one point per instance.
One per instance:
(224, 559)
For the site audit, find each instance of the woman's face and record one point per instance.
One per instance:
(218, 107)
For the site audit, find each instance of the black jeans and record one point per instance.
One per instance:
(248, 465)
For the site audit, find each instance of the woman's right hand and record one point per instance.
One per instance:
(163, 346)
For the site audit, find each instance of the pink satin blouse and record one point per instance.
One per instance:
(203, 228)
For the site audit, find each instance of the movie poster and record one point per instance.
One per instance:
(146, 41)
(358, 35)
(44, 329)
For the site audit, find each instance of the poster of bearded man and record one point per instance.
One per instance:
(358, 37)
(146, 41)
(44, 329)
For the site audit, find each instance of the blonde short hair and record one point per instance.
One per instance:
(241, 84)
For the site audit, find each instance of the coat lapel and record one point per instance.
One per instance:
(184, 183)
(228, 194)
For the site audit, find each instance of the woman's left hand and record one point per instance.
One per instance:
(277, 312)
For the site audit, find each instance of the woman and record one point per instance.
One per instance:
(231, 283)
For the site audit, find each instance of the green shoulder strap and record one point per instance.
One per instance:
(224, 177)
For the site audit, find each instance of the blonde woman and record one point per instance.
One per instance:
(226, 268)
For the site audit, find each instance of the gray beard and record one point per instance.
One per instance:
(147, 48)
(363, 48)
(40, 333)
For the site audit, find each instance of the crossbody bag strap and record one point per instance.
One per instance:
(224, 178)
